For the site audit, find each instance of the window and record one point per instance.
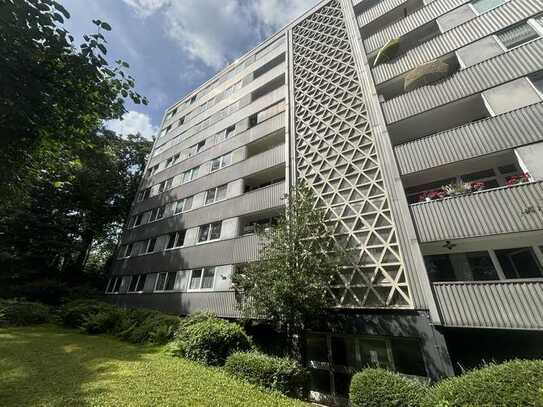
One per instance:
(151, 243)
(138, 219)
(259, 225)
(229, 131)
(471, 266)
(211, 231)
(137, 283)
(519, 263)
(482, 6)
(117, 285)
(253, 120)
(166, 281)
(221, 162)
(128, 250)
(144, 194)
(537, 81)
(157, 213)
(176, 239)
(152, 170)
(183, 205)
(162, 187)
(517, 35)
(202, 279)
(192, 99)
(181, 121)
(215, 194)
(189, 175)
(200, 145)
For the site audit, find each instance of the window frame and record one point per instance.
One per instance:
(480, 13)
(165, 282)
(209, 227)
(148, 245)
(221, 161)
(530, 22)
(215, 194)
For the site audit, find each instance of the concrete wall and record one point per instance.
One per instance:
(531, 160)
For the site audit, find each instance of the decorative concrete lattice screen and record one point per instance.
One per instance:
(336, 157)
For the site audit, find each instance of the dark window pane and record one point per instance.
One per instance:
(133, 283)
(195, 279)
(117, 285)
(141, 282)
(160, 282)
(342, 382)
(151, 247)
(373, 353)
(320, 381)
(316, 348)
(343, 351)
(215, 231)
(439, 268)
(519, 263)
(171, 240)
(180, 238)
(170, 281)
(204, 231)
(481, 266)
(478, 175)
(209, 276)
(408, 357)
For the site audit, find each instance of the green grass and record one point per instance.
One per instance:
(49, 366)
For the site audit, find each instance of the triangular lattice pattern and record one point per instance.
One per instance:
(336, 157)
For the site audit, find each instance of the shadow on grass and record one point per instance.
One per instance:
(50, 366)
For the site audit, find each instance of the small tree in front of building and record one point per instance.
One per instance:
(289, 283)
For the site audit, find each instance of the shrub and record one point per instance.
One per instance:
(76, 313)
(212, 340)
(20, 313)
(104, 321)
(513, 383)
(280, 374)
(383, 388)
(150, 326)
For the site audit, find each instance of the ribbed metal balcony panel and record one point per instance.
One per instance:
(251, 202)
(501, 17)
(420, 17)
(252, 165)
(503, 68)
(491, 212)
(506, 131)
(262, 129)
(491, 304)
(228, 251)
(376, 11)
(221, 303)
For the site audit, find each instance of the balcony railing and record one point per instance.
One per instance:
(518, 208)
(508, 304)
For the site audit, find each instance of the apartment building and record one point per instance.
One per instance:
(418, 124)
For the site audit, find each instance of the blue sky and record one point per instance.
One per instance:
(173, 46)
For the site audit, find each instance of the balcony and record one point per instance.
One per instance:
(502, 210)
(509, 304)
(221, 303)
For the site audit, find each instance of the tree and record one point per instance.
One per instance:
(53, 95)
(73, 214)
(299, 256)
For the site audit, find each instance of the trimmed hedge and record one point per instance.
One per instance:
(209, 340)
(280, 374)
(133, 325)
(513, 383)
(383, 388)
(21, 313)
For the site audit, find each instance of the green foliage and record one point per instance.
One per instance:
(383, 388)
(20, 313)
(133, 325)
(211, 340)
(513, 383)
(51, 367)
(289, 284)
(280, 374)
(387, 51)
(66, 184)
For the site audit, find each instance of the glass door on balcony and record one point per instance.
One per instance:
(519, 263)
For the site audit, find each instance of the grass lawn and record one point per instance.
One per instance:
(50, 366)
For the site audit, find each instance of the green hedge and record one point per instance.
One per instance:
(133, 325)
(383, 388)
(513, 383)
(21, 313)
(209, 340)
(280, 374)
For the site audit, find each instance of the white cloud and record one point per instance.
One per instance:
(218, 32)
(133, 122)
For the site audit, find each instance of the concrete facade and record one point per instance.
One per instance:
(435, 190)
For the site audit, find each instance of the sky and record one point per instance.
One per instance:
(173, 46)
